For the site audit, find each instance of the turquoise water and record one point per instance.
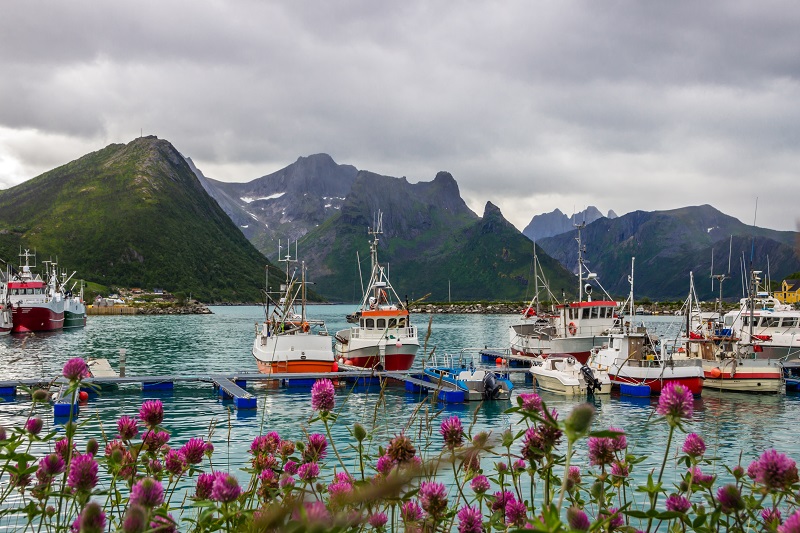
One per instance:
(220, 343)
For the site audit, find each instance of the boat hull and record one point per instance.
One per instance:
(366, 352)
(746, 376)
(657, 383)
(301, 353)
(74, 320)
(32, 319)
(578, 347)
(557, 386)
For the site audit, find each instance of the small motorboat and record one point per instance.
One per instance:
(476, 383)
(565, 375)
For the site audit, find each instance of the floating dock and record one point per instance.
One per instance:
(233, 386)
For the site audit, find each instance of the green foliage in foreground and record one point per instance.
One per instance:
(522, 479)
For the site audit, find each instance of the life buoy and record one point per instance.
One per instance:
(305, 327)
(573, 329)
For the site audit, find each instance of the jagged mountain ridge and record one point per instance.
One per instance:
(133, 215)
(555, 223)
(286, 204)
(669, 244)
(431, 240)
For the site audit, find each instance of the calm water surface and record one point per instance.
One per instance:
(201, 345)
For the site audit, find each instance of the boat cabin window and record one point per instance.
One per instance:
(392, 322)
(381, 323)
(789, 322)
(595, 312)
(728, 320)
(401, 322)
(587, 312)
(770, 321)
(368, 323)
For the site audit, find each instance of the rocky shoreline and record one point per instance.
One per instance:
(517, 308)
(189, 309)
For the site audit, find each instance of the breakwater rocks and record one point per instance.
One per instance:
(188, 309)
(482, 308)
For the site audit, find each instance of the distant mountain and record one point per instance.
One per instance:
(669, 244)
(432, 241)
(132, 215)
(286, 204)
(556, 222)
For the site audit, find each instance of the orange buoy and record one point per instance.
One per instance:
(499, 360)
(335, 367)
(83, 396)
(715, 372)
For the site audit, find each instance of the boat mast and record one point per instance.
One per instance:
(580, 260)
(630, 278)
(373, 253)
(303, 289)
(536, 278)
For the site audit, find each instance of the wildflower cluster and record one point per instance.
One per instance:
(521, 477)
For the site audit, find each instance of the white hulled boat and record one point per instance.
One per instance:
(631, 358)
(770, 327)
(6, 322)
(36, 305)
(382, 335)
(572, 329)
(565, 375)
(728, 364)
(288, 341)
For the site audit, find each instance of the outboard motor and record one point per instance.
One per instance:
(491, 388)
(592, 382)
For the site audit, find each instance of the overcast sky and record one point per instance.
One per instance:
(533, 105)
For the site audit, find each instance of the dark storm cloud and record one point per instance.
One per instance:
(532, 105)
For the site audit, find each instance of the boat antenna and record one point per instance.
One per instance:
(536, 277)
(630, 280)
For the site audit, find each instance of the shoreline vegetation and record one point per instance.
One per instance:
(526, 476)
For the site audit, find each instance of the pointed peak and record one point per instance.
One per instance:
(491, 210)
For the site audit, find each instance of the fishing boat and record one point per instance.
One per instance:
(288, 341)
(728, 364)
(475, 382)
(36, 304)
(74, 305)
(631, 358)
(565, 375)
(382, 335)
(6, 322)
(569, 329)
(770, 327)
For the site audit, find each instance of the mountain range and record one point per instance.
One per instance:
(556, 222)
(669, 244)
(142, 214)
(132, 215)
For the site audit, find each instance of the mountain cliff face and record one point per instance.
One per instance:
(556, 222)
(132, 215)
(431, 239)
(669, 244)
(286, 204)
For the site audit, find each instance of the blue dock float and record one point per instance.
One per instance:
(158, 385)
(8, 391)
(228, 389)
(639, 391)
(63, 406)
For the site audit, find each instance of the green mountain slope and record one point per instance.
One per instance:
(133, 215)
(669, 244)
(431, 239)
